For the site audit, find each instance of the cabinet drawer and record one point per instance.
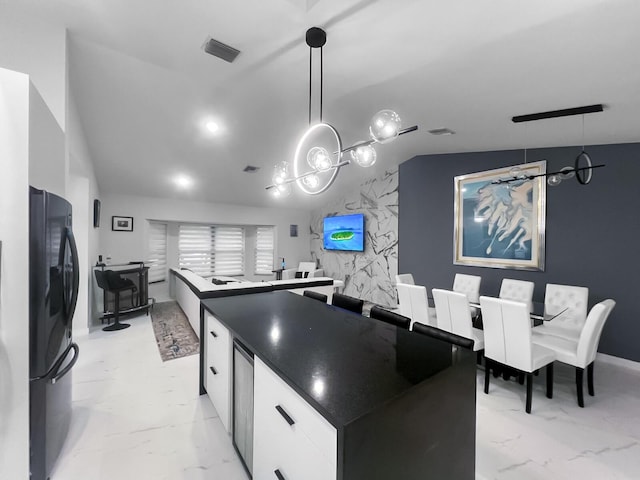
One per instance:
(308, 426)
(217, 364)
(278, 446)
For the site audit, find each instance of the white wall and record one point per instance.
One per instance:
(47, 164)
(369, 275)
(82, 189)
(123, 247)
(14, 275)
(36, 48)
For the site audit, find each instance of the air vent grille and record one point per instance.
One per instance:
(250, 169)
(220, 50)
(441, 131)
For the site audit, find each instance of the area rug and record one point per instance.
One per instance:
(174, 335)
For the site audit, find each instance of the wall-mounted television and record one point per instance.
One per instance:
(344, 232)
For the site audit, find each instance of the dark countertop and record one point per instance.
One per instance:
(345, 365)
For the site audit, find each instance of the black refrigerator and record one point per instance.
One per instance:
(53, 293)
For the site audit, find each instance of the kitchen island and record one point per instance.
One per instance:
(338, 395)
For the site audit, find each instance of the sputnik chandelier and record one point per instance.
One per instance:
(319, 154)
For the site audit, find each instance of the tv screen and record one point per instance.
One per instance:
(344, 232)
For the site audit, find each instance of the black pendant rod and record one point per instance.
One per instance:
(531, 177)
(310, 86)
(558, 113)
(321, 80)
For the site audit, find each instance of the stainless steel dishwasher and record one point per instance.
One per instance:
(243, 403)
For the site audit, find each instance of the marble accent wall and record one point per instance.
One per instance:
(369, 275)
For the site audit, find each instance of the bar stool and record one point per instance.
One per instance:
(111, 282)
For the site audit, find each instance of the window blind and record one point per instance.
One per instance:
(211, 250)
(228, 250)
(157, 257)
(265, 250)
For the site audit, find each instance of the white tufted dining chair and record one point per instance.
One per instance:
(508, 341)
(575, 300)
(415, 304)
(454, 316)
(518, 290)
(469, 285)
(581, 353)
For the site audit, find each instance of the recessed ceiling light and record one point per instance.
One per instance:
(183, 181)
(212, 126)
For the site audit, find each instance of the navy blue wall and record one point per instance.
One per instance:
(592, 231)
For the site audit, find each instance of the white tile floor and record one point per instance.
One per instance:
(137, 418)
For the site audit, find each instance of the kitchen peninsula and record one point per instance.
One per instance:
(338, 395)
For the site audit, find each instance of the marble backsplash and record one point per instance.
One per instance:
(369, 275)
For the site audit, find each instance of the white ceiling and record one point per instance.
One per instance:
(144, 86)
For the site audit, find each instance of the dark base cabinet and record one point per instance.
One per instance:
(427, 433)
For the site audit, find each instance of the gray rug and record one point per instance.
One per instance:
(174, 335)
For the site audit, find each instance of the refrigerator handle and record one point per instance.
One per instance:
(71, 307)
(65, 370)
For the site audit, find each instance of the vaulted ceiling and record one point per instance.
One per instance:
(144, 87)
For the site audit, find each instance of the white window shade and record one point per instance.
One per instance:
(228, 250)
(157, 258)
(265, 249)
(195, 247)
(211, 250)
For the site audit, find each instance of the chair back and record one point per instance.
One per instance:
(590, 336)
(507, 332)
(347, 302)
(315, 295)
(404, 299)
(392, 318)
(442, 335)
(574, 299)
(469, 285)
(101, 278)
(518, 290)
(452, 312)
(420, 305)
(405, 278)
(307, 267)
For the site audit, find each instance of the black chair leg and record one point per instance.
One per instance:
(487, 374)
(521, 378)
(116, 325)
(579, 377)
(479, 357)
(529, 391)
(590, 379)
(550, 380)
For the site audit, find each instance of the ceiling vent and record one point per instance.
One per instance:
(441, 131)
(250, 169)
(220, 50)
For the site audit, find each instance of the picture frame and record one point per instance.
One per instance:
(501, 224)
(96, 213)
(121, 224)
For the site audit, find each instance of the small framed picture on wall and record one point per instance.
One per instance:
(122, 224)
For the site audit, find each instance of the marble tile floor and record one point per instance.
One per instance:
(137, 418)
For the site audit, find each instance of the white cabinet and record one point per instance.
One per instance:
(289, 435)
(217, 361)
(190, 304)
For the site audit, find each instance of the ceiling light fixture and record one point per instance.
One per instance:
(212, 126)
(319, 153)
(582, 168)
(183, 181)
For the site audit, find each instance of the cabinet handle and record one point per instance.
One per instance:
(215, 335)
(285, 415)
(213, 370)
(279, 474)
